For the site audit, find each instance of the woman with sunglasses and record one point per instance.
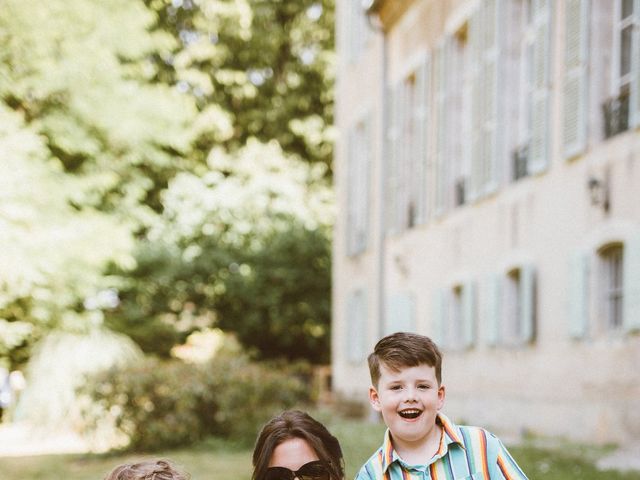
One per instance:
(295, 446)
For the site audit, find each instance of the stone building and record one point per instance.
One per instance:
(488, 182)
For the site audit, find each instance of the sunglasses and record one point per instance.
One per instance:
(315, 470)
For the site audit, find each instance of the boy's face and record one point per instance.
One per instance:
(409, 401)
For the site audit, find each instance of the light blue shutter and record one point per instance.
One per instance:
(394, 159)
(489, 76)
(578, 295)
(575, 76)
(497, 18)
(540, 118)
(469, 314)
(631, 285)
(494, 310)
(476, 49)
(422, 123)
(400, 313)
(528, 299)
(635, 67)
(438, 317)
(356, 327)
(439, 79)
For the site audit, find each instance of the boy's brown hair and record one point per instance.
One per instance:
(401, 350)
(147, 470)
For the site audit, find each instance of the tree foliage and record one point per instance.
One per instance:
(267, 64)
(246, 248)
(178, 143)
(87, 140)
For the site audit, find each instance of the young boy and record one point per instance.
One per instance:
(420, 442)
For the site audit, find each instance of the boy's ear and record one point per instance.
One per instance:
(374, 399)
(441, 394)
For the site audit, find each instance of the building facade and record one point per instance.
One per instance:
(488, 181)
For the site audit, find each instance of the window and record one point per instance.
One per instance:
(455, 316)
(519, 87)
(359, 154)
(611, 286)
(604, 289)
(406, 168)
(613, 61)
(511, 313)
(525, 68)
(458, 104)
(616, 107)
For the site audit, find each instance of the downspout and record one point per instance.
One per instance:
(371, 8)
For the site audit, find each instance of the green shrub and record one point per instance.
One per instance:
(160, 404)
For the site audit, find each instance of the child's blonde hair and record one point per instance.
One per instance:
(147, 470)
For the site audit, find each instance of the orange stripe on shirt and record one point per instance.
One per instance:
(483, 455)
(503, 468)
(433, 471)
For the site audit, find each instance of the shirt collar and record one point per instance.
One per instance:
(451, 435)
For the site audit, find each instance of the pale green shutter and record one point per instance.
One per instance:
(393, 160)
(494, 310)
(439, 79)
(469, 314)
(540, 118)
(356, 327)
(351, 190)
(578, 295)
(489, 75)
(475, 47)
(400, 313)
(422, 125)
(438, 317)
(496, 18)
(631, 284)
(635, 67)
(528, 303)
(575, 76)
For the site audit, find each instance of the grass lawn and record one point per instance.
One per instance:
(215, 460)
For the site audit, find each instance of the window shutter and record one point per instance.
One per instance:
(400, 313)
(635, 66)
(356, 327)
(528, 306)
(469, 314)
(578, 295)
(484, 36)
(393, 164)
(575, 76)
(494, 310)
(631, 284)
(438, 317)
(489, 74)
(422, 123)
(364, 179)
(475, 49)
(439, 79)
(540, 117)
(351, 200)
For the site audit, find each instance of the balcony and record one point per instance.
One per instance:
(616, 114)
(520, 162)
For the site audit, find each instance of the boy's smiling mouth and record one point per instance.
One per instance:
(410, 413)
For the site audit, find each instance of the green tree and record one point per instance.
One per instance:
(244, 247)
(87, 142)
(269, 65)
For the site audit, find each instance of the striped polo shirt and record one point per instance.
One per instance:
(469, 453)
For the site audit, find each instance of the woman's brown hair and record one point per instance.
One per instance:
(296, 424)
